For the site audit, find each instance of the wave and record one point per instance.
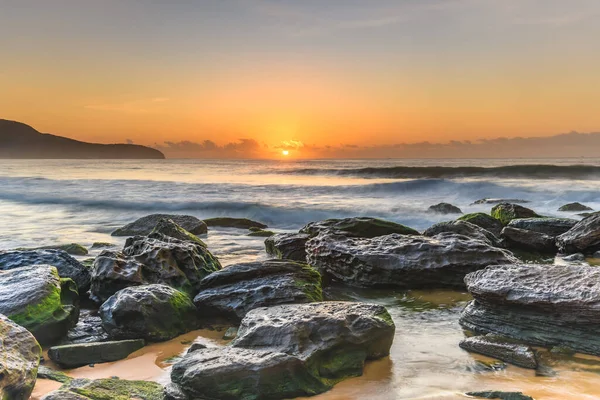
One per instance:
(511, 171)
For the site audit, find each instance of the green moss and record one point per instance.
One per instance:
(53, 375)
(71, 248)
(385, 315)
(310, 283)
(38, 314)
(474, 216)
(116, 389)
(261, 233)
(340, 364)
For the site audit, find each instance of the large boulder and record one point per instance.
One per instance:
(506, 212)
(402, 260)
(157, 259)
(501, 348)
(445, 208)
(241, 374)
(463, 228)
(544, 305)
(40, 301)
(287, 351)
(523, 239)
(169, 228)
(151, 312)
(19, 361)
(548, 226)
(77, 355)
(145, 225)
(107, 389)
(67, 266)
(584, 237)
(484, 221)
(234, 291)
(363, 227)
(574, 207)
(228, 222)
(287, 246)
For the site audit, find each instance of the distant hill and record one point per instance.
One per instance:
(18, 140)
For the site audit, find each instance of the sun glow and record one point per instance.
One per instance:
(285, 152)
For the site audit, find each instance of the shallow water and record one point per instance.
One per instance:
(50, 202)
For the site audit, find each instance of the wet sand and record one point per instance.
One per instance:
(425, 360)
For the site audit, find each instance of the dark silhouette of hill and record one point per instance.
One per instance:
(18, 140)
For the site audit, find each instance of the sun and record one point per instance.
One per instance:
(285, 152)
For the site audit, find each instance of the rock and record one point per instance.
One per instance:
(484, 221)
(584, 237)
(19, 361)
(498, 201)
(74, 249)
(77, 355)
(445, 208)
(463, 228)
(227, 222)
(542, 305)
(234, 291)
(577, 257)
(144, 260)
(261, 233)
(548, 226)
(37, 299)
(230, 333)
(401, 260)
(87, 330)
(575, 207)
(53, 375)
(107, 389)
(145, 225)
(287, 351)
(287, 246)
(480, 366)
(506, 212)
(67, 266)
(152, 312)
(169, 228)
(500, 395)
(102, 245)
(197, 346)
(514, 238)
(363, 227)
(241, 374)
(501, 348)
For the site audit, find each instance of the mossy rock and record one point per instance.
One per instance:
(490, 394)
(261, 233)
(53, 375)
(228, 222)
(506, 212)
(114, 389)
(484, 221)
(169, 228)
(364, 227)
(74, 249)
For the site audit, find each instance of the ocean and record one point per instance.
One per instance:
(46, 202)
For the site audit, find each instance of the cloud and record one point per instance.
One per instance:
(244, 148)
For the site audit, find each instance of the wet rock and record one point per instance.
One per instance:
(77, 355)
(244, 374)
(584, 237)
(514, 238)
(74, 249)
(53, 375)
(197, 346)
(145, 225)
(445, 208)
(287, 351)
(548, 226)
(234, 291)
(544, 305)
(152, 312)
(261, 233)
(169, 228)
(102, 245)
(363, 227)
(87, 330)
(501, 348)
(19, 361)
(227, 222)
(480, 366)
(577, 257)
(402, 260)
(67, 266)
(105, 389)
(506, 212)
(230, 333)
(287, 246)
(498, 201)
(463, 228)
(500, 395)
(37, 299)
(484, 221)
(144, 260)
(575, 207)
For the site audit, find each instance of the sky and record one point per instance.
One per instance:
(239, 78)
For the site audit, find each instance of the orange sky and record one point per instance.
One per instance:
(318, 74)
